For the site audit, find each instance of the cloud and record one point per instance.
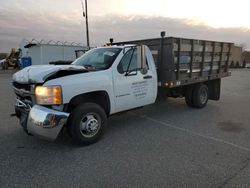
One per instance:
(138, 27)
(70, 27)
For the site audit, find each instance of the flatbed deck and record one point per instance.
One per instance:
(182, 61)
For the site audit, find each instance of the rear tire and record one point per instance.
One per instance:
(200, 96)
(86, 123)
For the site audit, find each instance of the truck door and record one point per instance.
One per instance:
(135, 79)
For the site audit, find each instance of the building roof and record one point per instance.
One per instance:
(35, 42)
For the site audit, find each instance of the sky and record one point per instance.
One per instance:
(222, 20)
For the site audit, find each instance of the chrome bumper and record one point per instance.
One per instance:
(45, 122)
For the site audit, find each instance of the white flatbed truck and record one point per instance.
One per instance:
(116, 78)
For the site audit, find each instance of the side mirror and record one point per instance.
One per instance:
(142, 59)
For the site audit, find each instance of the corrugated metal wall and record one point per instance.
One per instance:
(43, 53)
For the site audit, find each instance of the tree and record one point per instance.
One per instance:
(244, 64)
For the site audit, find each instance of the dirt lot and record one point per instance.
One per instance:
(162, 145)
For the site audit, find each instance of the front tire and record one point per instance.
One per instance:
(86, 123)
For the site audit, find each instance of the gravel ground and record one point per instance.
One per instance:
(161, 145)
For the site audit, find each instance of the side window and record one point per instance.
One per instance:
(129, 61)
(134, 60)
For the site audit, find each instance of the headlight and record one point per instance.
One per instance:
(48, 95)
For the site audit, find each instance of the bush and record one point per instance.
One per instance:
(231, 65)
(237, 65)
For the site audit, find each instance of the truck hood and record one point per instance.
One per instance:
(41, 73)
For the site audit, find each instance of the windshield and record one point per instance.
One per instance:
(98, 59)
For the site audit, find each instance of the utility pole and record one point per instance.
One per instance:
(85, 15)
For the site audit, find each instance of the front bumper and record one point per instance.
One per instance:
(45, 122)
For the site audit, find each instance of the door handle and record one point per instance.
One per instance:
(147, 77)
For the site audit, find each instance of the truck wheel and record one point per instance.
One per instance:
(5, 65)
(86, 123)
(200, 96)
(189, 96)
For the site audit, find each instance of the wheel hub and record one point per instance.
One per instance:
(90, 125)
(203, 97)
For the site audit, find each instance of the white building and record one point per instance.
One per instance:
(42, 52)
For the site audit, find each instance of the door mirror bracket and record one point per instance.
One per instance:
(144, 70)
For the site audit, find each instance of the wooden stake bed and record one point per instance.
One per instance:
(182, 61)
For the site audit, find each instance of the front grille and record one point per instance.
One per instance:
(23, 92)
(26, 87)
(23, 97)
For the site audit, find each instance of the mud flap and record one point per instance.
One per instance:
(214, 89)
